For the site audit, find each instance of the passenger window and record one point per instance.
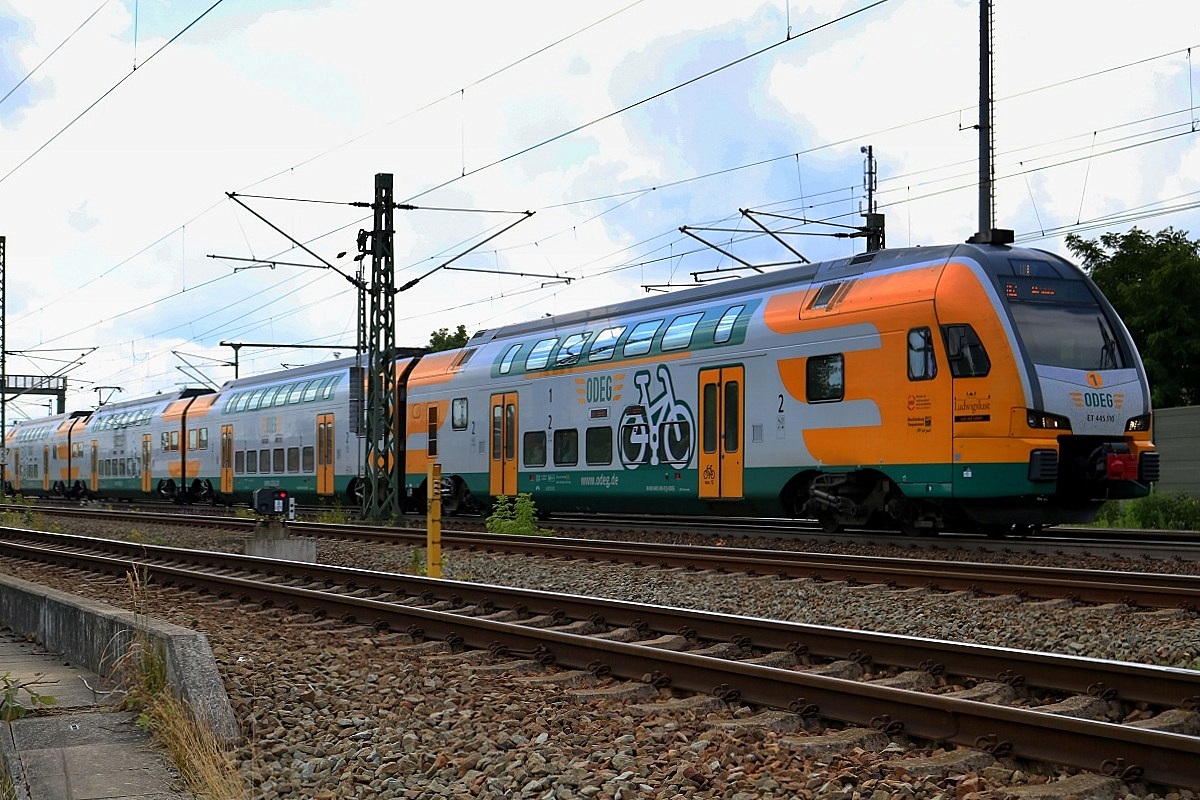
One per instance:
(239, 461)
(568, 354)
(277, 461)
(598, 444)
(293, 459)
(251, 461)
(605, 344)
(281, 397)
(641, 337)
(310, 393)
(540, 354)
(264, 460)
(679, 333)
(307, 459)
(965, 351)
(724, 330)
(506, 362)
(255, 396)
(534, 446)
(566, 447)
(922, 366)
(825, 379)
(296, 393)
(458, 413)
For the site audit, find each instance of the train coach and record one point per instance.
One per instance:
(973, 385)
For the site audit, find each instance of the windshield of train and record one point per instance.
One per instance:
(1059, 319)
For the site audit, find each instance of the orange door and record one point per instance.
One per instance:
(325, 482)
(46, 468)
(95, 466)
(227, 459)
(147, 455)
(722, 408)
(503, 465)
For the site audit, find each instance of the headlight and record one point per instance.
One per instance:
(1138, 424)
(1043, 421)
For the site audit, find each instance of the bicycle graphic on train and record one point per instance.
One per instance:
(659, 430)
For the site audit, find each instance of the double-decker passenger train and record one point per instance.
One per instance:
(972, 385)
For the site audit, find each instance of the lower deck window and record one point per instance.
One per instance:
(566, 447)
(534, 446)
(598, 445)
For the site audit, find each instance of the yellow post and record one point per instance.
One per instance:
(433, 522)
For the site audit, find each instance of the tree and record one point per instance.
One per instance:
(443, 339)
(1153, 281)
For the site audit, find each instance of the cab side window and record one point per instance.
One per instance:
(965, 351)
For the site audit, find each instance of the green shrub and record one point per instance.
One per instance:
(1171, 511)
(517, 518)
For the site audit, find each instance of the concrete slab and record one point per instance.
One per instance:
(94, 756)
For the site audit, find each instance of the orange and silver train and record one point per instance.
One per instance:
(973, 386)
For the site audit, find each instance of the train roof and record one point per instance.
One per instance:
(802, 275)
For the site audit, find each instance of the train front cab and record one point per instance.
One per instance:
(1051, 410)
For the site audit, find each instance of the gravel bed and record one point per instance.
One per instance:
(330, 711)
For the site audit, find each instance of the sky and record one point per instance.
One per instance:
(126, 124)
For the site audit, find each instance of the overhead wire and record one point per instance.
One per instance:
(106, 93)
(51, 54)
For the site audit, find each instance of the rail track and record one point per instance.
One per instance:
(1041, 707)
(1129, 543)
(1137, 589)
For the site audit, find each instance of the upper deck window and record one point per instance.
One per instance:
(540, 354)
(605, 344)
(679, 333)
(568, 354)
(507, 362)
(641, 337)
(724, 329)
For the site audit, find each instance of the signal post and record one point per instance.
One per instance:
(433, 522)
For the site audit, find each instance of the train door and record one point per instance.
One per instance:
(147, 457)
(95, 466)
(325, 481)
(227, 459)
(503, 467)
(46, 468)
(722, 409)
